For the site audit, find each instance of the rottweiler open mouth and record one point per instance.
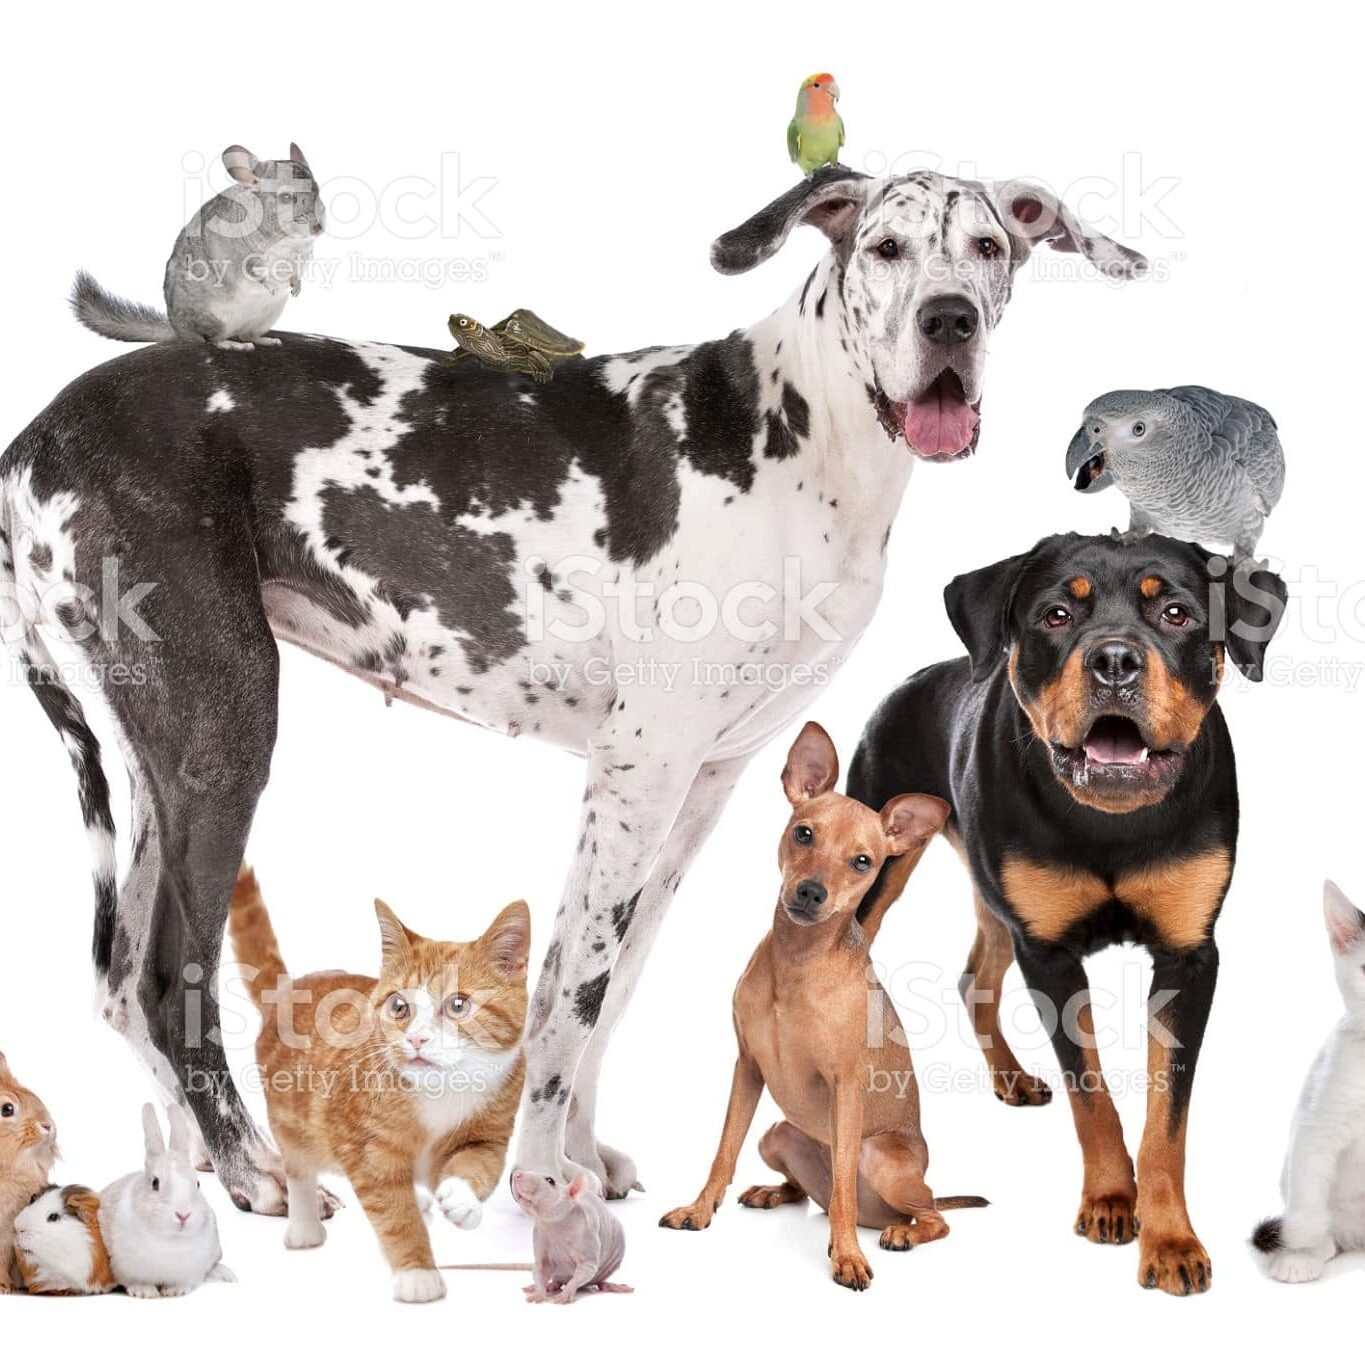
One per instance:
(1116, 754)
(1089, 472)
(940, 425)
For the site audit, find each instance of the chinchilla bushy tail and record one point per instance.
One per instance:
(1269, 1236)
(253, 937)
(111, 316)
(24, 580)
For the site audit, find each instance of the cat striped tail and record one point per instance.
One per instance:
(253, 938)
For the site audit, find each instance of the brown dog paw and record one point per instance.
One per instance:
(1177, 1264)
(899, 1237)
(690, 1218)
(1107, 1218)
(771, 1196)
(851, 1270)
(1020, 1090)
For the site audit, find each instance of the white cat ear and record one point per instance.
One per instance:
(1345, 924)
(241, 165)
(151, 1131)
(508, 940)
(396, 939)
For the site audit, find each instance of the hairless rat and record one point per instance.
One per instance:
(578, 1241)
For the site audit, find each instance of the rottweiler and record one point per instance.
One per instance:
(1094, 801)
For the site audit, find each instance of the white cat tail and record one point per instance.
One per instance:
(1345, 923)
(114, 317)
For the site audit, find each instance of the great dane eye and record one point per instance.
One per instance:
(862, 863)
(1055, 617)
(803, 834)
(1139, 428)
(888, 249)
(987, 248)
(1176, 615)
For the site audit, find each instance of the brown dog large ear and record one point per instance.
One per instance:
(831, 200)
(978, 605)
(812, 765)
(909, 822)
(1246, 604)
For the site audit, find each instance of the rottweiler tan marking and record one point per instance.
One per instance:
(1094, 801)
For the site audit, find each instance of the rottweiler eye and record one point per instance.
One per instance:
(987, 248)
(803, 834)
(888, 249)
(862, 863)
(1176, 615)
(1055, 617)
(1139, 428)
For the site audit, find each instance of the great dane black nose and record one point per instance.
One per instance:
(1115, 663)
(948, 319)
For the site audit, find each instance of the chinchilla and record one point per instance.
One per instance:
(234, 266)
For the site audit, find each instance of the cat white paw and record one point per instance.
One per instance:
(425, 1201)
(456, 1199)
(304, 1236)
(1296, 1267)
(418, 1286)
(142, 1291)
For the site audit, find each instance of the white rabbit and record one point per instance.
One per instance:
(160, 1231)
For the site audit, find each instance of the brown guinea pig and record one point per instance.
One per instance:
(28, 1148)
(58, 1246)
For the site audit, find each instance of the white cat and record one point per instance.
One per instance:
(1324, 1174)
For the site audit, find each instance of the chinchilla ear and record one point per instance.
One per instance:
(297, 157)
(180, 1131)
(242, 166)
(151, 1130)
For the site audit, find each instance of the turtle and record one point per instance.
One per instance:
(505, 354)
(533, 331)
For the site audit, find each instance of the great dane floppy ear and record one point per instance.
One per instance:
(831, 200)
(1246, 605)
(979, 607)
(1032, 214)
(812, 765)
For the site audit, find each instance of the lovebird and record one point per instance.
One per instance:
(1193, 463)
(816, 132)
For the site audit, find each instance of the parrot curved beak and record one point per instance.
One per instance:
(833, 90)
(1085, 463)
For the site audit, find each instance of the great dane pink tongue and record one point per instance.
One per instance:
(940, 423)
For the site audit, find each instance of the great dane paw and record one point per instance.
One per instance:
(771, 1196)
(1107, 1218)
(850, 1269)
(1020, 1090)
(1176, 1264)
(690, 1218)
(615, 1171)
(256, 1184)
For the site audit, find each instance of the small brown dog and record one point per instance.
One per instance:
(818, 1030)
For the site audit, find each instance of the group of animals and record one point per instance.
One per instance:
(1097, 646)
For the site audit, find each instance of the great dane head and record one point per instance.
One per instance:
(922, 267)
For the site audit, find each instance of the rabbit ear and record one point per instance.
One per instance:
(151, 1128)
(180, 1132)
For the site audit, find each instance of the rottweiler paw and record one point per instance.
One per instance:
(1107, 1218)
(1178, 1265)
(1020, 1090)
(771, 1196)
(690, 1218)
(851, 1270)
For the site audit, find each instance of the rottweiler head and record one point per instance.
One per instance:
(1115, 651)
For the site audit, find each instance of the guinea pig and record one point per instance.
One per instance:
(58, 1245)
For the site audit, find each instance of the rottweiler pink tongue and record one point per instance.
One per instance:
(940, 421)
(1115, 743)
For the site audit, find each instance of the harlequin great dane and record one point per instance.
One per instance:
(655, 561)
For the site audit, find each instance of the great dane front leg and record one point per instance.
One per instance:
(700, 813)
(629, 808)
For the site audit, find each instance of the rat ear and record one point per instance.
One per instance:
(832, 199)
(579, 1185)
(1033, 215)
(909, 822)
(508, 940)
(1246, 606)
(241, 165)
(979, 605)
(397, 942)
(1345, 924)
(151, 1132)
(812, 765)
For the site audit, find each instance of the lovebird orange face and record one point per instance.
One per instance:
(818, 93)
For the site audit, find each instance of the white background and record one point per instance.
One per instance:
(622, 140)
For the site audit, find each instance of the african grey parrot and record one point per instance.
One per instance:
(1193, 463)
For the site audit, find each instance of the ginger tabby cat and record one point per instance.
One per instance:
(408, 1085)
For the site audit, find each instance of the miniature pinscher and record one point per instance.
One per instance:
(818, 1030)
